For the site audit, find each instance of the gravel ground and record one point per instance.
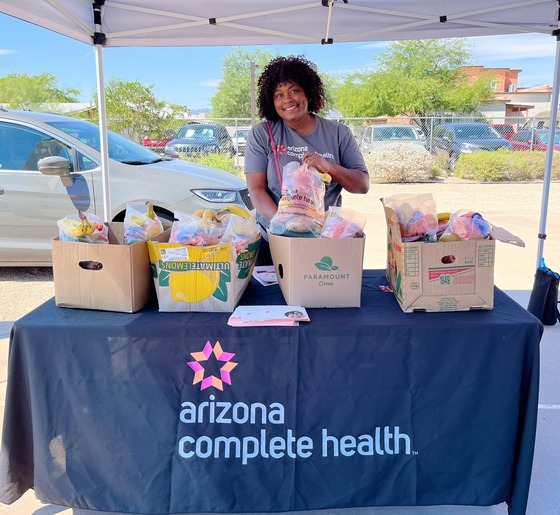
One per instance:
(514, 206)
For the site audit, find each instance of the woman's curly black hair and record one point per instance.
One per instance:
(289, 69)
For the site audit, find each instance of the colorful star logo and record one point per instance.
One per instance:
(281, 149)
(212, 380)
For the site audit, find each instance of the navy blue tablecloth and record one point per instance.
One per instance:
(178, 412)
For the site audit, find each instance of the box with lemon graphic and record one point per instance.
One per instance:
(201, 278)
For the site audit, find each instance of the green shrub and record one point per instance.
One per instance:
(400, 162)
(219, 161)
(505, 165)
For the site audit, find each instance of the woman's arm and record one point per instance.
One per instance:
(352, 180)
(258, 189)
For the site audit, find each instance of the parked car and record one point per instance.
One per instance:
(534, 139)
(504, 129)
(34, 196)
(381, 134)
(200, 138)
(454, 139)
(239, 140)
(157, 145)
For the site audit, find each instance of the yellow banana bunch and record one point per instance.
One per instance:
(443, 217)
(150, 213)
(236, 210)
(207, 214)
(82, 228)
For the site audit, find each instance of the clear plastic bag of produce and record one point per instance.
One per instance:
(301, 209)
(416, 214)
(342, 222)
(466, 225)
(83, 227)
(140, 222)
(197, 231)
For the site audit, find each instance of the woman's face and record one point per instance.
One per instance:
(290, 102)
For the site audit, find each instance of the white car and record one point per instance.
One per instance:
(240, 141)
(33, 196)
(383, 134)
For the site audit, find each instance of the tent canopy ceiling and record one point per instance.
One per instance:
(261, 22)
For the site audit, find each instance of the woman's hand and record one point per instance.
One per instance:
(317, 161)
(352, 180)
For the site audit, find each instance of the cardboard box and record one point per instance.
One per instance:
(442, 276)
(319, 272)
(108, 277)
(189, 278)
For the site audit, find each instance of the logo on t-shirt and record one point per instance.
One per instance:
(280, 149)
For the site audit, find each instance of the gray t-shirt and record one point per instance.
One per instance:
(333, 140)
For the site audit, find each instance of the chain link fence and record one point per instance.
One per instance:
(448, 138)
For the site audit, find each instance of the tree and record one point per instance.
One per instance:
(416, 78)
(233, 96)
(133, 110)
(33, 92)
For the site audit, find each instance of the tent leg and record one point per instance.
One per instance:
(549, 153)
(104, 147)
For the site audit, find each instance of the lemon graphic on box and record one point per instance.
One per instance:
(201, 274)
(193, 286)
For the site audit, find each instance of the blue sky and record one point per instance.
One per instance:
(189, 75)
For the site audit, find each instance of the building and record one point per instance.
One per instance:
(513, 103)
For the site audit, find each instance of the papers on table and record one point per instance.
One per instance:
(254, 316)
(266, 275)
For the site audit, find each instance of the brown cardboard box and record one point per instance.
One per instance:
(319, 272)
(442, 276)
(189, 278)
(108, 277)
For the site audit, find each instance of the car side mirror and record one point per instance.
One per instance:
(56, 165)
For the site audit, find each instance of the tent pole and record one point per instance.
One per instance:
(103, 142)
(549, 151)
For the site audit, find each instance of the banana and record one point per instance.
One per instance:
(199, 213)
(325, 177)
(151, 213)
(210, 214)
(236, 210)
(84, 228)
(443, 217)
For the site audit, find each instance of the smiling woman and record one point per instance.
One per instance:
(290, 96)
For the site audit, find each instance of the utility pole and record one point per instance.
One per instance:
(253, 100)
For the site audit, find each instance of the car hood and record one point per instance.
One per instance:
(377, 143)
(487, 143)
(218, 179)
(193, 141)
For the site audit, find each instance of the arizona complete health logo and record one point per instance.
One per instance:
(199, 371)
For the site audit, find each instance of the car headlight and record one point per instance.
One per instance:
(225, 196)
(468, 148)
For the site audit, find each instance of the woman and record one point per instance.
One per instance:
(290, 94)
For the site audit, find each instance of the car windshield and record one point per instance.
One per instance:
(241, 133)
(476, 132)
(119, 148)
(388, 133)
(196, 132)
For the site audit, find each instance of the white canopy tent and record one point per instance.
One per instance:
(172, 23)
